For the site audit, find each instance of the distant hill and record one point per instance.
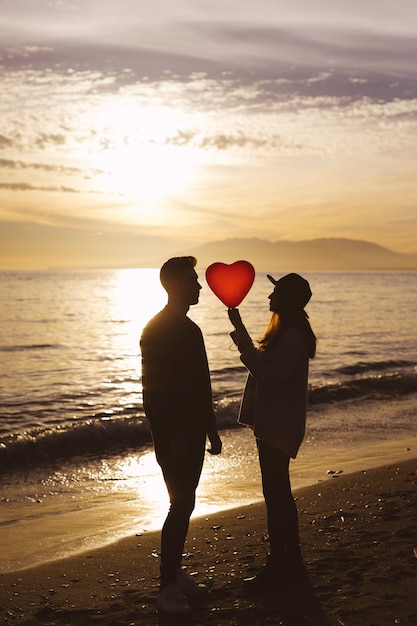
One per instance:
(315, 254)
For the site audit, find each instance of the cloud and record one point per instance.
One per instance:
(318, 46)
(24, 165)
(266, 117)
(150, 38)
(5, 142)
(201, 117)
(30, 187)
(18, 52)
(43, 140)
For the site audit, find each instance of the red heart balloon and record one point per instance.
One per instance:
(232, 282)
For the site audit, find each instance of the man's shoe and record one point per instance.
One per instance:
(172, 601)
(189, 587)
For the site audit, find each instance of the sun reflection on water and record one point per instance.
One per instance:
(142, 476)
(138, 475)
(135, 296)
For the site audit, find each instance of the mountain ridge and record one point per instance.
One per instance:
(326, 253)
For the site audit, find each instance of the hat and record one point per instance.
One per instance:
(294, 287)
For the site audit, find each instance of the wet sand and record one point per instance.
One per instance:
(51, 523)
(359, 541)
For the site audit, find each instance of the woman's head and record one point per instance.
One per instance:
(291, 294)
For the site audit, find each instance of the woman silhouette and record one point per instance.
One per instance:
(274, 405)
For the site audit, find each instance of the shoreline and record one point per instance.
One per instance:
(59, 527)
(358, 535)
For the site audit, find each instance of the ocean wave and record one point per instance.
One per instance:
(376, 387)
(373, 387)
(23, 348)
(46, 446)
(374, 366)
(227, 372)
(107, 432)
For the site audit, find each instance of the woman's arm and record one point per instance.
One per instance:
(278, 366)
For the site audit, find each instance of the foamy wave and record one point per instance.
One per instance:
(373, 387)
(392, 384)
(106, 434)
(48, 445)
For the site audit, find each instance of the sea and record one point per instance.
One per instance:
(76, 460)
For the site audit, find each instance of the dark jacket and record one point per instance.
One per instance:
(175, 376)
(274, 402)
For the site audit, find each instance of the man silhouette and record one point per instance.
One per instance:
(178, 403)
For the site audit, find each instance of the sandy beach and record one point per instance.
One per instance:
(359, 540)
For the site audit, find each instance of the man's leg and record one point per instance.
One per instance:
(174, 532)
(181, 479)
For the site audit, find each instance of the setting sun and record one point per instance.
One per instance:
(146, 174)
(141, 160)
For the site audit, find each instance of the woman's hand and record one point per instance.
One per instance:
(240, 335)
(234, 317)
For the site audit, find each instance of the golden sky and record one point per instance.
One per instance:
(154, 126)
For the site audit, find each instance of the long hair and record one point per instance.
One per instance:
(280, 322)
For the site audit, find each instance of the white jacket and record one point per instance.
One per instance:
(274, 401)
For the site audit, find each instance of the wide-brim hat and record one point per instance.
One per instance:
(293, 287)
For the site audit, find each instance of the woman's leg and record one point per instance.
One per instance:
(282, 514)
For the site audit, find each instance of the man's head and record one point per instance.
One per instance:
(180, 280)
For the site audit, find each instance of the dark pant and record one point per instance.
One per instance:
(181, 474)
(282, 514)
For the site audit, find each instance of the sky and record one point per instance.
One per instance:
(135, 128)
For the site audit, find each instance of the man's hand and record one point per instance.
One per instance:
(215, 443)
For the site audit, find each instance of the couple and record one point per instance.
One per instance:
(178, 403)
